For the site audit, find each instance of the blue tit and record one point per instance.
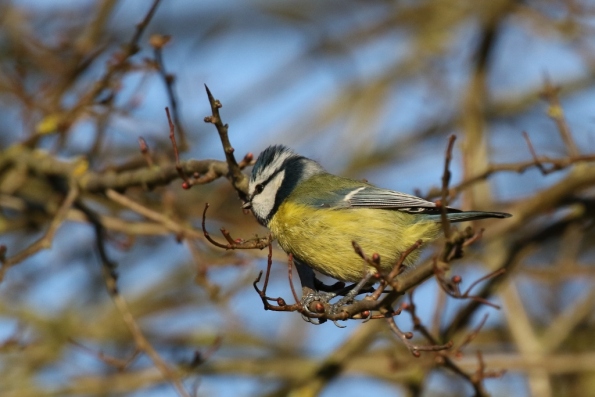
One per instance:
(315, 216)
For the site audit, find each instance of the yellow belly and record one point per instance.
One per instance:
(321, 238)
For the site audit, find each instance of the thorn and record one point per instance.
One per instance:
(209, 93)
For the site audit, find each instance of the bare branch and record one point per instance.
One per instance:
(235, 175)
(445, 182)
(45, 241)
(158, 42)
(255, 243)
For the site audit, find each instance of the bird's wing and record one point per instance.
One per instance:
(373, 197)
(368, 196)
(376, 197)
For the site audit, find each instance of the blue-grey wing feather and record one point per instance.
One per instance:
(367, 196)
(373, 197)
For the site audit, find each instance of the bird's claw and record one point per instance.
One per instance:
(316, 296)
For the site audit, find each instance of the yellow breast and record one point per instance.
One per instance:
(321, 237)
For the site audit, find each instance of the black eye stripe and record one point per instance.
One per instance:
(260, 187)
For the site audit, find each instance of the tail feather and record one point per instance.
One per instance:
(469, 216)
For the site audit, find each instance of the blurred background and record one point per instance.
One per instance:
(370, 89)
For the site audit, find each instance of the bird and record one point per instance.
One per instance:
(316, 216)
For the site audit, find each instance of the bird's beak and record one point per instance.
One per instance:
(247, 205)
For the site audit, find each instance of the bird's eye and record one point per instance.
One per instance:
(258, 188)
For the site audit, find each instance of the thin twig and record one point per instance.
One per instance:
(117, 363)
(495, 273)
(235, 175)
(255, 243)
(200, 358)
(445, 182)
(556, 113)
(451, 287)
(144, 149)
(475, 379)
(281, 306)
(120, 62)
(538, 163)
(158, 42)
(472, 335)
(413, 348)
(400, 264)
(290, 276)
(141, 26)
(269, 265)
(172, 136)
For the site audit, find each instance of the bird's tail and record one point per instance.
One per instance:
(463, 216)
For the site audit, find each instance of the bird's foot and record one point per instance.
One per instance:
(349, 297)
(308, 297)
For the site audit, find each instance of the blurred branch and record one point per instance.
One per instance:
(110, 278)
(144, 345)
(312, 381)
(158, 42)
(537, 162)
(555, 111)
(172, 138)
(496, 109)
(474, 147)
(514, 255)
(44, 242)
(43, 163)
(114, 70)
(444, 197)
(562, 326)
(117, 363)
(377, 364)
(525, 339)
(175, 227)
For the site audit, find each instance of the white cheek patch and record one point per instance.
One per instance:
(263, 203)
